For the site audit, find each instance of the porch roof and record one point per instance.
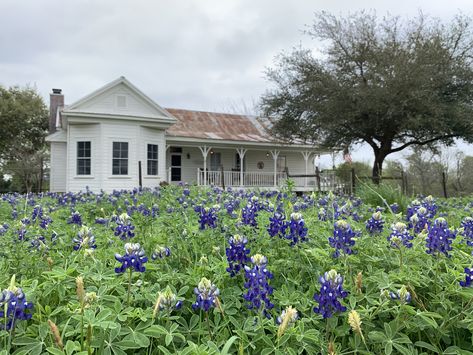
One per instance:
(220, 126)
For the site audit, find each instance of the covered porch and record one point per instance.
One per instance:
(265, 166)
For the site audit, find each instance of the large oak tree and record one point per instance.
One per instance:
(388, 82)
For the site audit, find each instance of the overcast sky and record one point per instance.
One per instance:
(194, 54)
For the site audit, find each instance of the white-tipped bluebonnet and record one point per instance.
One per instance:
(342, 239)
(330, 295)
(297, 229)
(84, 239)
(467, 230)
(401, 295)
(208, 217)
(124, 229)
(13, 306)
(277, 225)
(237, 254)
(400, 236)
(160, 252)
(206, 294)
(394, 207)
(133, 258)
(249, 214)
(468, 278)
(375, 224)
(257, 284)
(419, 220)
(166, 301)
(75, 218)
(440, 238)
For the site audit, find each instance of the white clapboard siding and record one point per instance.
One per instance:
(57, 182)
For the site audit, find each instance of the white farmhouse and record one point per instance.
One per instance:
(118, 138)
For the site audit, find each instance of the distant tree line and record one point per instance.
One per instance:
(422, 170)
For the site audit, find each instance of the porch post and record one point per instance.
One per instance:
(306, 156)
(241, 153)
(275, 154)
(205, 151)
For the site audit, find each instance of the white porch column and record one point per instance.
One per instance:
(205, 151)
(241, 153)
(275, 155)
(306, 156)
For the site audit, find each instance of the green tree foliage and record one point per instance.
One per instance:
(24, 122)
(386, 82)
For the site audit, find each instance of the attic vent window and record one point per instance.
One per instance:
(121, 101)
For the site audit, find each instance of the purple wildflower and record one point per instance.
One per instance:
(331, 292)
(133, 258)
(440, 237)
(257, 284)
(237, 254)
(206, 294)
(342, 239)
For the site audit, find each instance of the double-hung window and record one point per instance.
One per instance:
(83, 158)
(152, 159)
(120, 158)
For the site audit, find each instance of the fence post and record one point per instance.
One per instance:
(444, 184)
(352, 181)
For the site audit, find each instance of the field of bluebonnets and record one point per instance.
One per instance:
(205, 271)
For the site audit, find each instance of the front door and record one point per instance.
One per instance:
(176, 161)
(215, 161)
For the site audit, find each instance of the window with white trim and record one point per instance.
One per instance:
(84, 156)
(120, 158)
(152, 163)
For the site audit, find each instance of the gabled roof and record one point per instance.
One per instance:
(220, 126)
(101, 102)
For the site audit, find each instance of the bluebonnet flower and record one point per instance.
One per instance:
(206, 294)
(257, 283)
(375, 224)
(430, 205)
(419, 220)
(331, 293)
(3, 228)
(467, 230)
(13, 306)
(297, 229)
(440, 237)
(84, 239)
(133, 258)
(166, 301)
(208, 217)
(102, 221)
(75, 218)
(237, 254)
(402, 295)
(322, 215)
(160, 252)
(400, 235)
(468, 278)
(342, 239)
(249, 214)
(277, 225)
(124, 228)
(394, 207)
(412, 209)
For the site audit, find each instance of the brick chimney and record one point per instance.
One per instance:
(56, 99)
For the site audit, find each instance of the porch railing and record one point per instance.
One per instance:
(233, 178)
(324, 181)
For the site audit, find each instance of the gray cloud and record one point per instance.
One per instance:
(201, 54)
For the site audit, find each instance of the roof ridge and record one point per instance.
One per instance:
(211, 112)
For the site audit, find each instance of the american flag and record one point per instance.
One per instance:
(347, 156)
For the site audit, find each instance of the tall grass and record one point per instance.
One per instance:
(379, 195)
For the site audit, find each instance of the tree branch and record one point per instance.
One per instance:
(418, 142)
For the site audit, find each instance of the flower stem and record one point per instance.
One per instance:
(129, 288)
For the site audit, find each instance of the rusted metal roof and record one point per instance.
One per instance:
(222, 126)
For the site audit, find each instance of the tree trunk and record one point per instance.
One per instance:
(378, 167)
